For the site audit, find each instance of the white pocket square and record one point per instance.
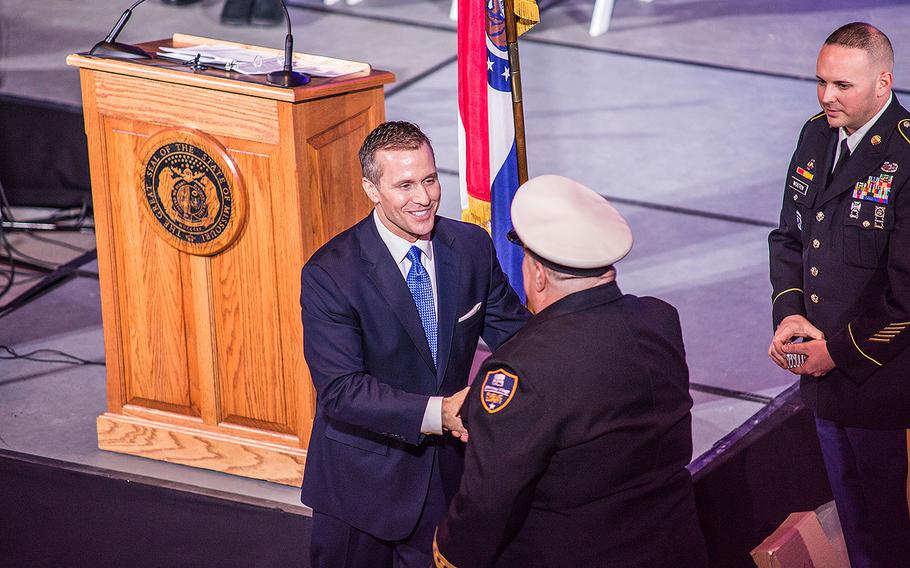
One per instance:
(473, 311)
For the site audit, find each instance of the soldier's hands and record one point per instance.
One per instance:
(818, 360)
(790, 327)
(451, 415)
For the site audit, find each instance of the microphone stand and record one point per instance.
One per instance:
(287, 77)
(110, 47)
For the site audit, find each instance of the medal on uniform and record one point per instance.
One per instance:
(889, 167)
(854, 209)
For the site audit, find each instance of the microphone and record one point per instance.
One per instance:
(287, 77)
(111, 48)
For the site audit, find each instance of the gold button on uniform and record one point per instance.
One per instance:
(814, 298)
(814, 271)
(816, 243)
(795, 197)
(820, 216)
(866, 223)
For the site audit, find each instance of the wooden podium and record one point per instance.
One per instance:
(211, 189)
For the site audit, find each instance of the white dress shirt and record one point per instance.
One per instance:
(399, 247)
(854, 139)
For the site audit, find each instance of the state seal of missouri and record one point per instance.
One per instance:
(190, 188)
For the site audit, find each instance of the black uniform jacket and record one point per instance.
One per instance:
(841, 257)
(580, 434)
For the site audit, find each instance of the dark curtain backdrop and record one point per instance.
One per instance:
(43, 154)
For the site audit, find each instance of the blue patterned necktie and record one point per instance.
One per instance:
(421, 288)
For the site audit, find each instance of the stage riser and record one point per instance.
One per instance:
(55, 516)
(756, 476)
(59, 514)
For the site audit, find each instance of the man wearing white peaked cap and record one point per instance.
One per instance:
(580, 425)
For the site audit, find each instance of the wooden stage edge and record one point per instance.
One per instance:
(200, 448)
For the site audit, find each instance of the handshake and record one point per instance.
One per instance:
(451, 415)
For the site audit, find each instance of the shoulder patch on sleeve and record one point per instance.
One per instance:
(498, 389)
(903, 127)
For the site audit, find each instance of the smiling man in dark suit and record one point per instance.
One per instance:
(392, 311)
(840, 269)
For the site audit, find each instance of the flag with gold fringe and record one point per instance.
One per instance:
(486, 129)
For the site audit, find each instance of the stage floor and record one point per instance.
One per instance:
(685, 113)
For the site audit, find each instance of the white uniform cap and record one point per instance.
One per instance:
(567, 224)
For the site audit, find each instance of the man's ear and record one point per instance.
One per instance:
(883, 85)
(540, 277)
(370, 189)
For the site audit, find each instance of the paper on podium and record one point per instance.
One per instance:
(259, 62)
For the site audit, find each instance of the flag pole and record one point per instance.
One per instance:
(521, 152)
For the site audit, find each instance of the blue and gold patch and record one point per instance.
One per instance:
(497, 390)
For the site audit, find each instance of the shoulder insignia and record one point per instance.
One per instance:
(498, 389)
(817, 116)
(904, 128)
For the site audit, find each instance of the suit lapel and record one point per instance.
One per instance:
(386, 276)
(447, 273)
(866, 158)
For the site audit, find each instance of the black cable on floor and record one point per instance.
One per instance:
(730, 393)
(12, 255)
(30, 356)
(10, 273)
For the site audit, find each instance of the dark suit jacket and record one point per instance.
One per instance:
(843, 260)
(368, 463)
(581, 460)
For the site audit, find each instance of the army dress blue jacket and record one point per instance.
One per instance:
(841, 258)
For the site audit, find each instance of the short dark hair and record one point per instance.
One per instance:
(860, 35)
(392, 135)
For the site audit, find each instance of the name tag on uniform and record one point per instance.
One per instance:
(799, 185)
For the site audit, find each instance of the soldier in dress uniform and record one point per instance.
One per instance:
(840, 272)
(580, 430)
